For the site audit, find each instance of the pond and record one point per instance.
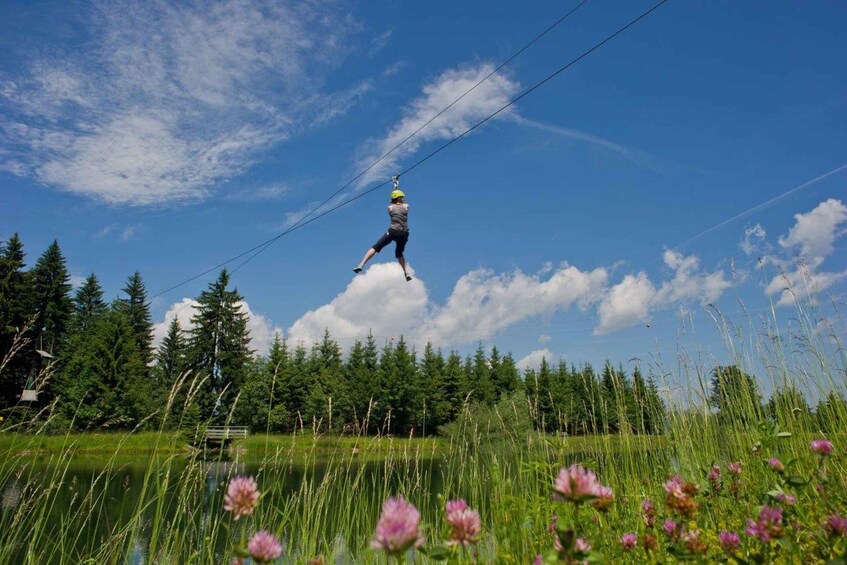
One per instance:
(82, 504)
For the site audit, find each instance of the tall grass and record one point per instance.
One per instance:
(322, 494)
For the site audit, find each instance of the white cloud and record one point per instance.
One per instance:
(812, 237)
(482, 101)
(815, 232)
(128, 232)
(481, 304)
(753, 237)
(631, 301)
(626, 304)
(166, 99)
(533, 360)
(380, 300)
(272, 191)
(261, 329)
(543, 339)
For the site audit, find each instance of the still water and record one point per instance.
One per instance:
(121, 502)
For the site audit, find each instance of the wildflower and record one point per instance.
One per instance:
(398, 528)
(553, 522)
(582, 546)
(629, 541)
(242, 496)
(604, 499)
(576, 484)
(714, 476)
(264, 547)
(670, 527)
(730, 541)
(648, 512)
(680, 496)
(674, 486)
(776, 464)
(715, 473)
(822, 447)
(767, 526)
(786, 498)
(465, 522)
(693, 542)
(836, 525)
(649, 542)
(734, 468)
(539, 560)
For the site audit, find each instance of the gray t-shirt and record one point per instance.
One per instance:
(399, 216)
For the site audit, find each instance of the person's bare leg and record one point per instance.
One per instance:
(402, 261)
(368, 254)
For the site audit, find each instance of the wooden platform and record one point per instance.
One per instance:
(224, 434)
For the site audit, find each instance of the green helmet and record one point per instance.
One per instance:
(395, 194)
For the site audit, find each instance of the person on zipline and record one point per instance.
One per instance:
(398, 232)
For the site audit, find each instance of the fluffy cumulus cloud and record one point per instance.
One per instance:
(481, 304)
(167, 99)
(632, 300)
(261, 329)
(809, 242)
(482, 101)
(533, 360)
(371, 302)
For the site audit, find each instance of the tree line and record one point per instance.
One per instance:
(105, 372)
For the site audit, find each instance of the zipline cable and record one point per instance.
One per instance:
(267, 244)
(369, 167)
(256, 250)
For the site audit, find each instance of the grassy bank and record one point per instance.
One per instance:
(90, 443)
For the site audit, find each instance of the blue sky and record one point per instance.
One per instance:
(582, 223)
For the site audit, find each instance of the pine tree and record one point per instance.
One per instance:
(735, 395)
(562, 397)
(168, 373)
(138, 311)
(52, 302)
(400, 390)
(504, 374)
(327, 401)
(219, 348)
(277, 373)
(611, 400)
(295, 391)
(789, 408)
(88, 305)
(453, 376)
(831, 413)
(639, 394)
(103, 382)
(435, 398)
(16, 311)
(593, 400)
(362, 381)
(546, 412)
(254, 407)
(655, 413)
(483, 388)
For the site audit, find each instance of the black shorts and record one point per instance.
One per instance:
(400, 237)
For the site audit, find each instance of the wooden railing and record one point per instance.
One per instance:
(225, 433)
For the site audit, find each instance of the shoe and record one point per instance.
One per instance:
(357, 269)
(408, 277)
